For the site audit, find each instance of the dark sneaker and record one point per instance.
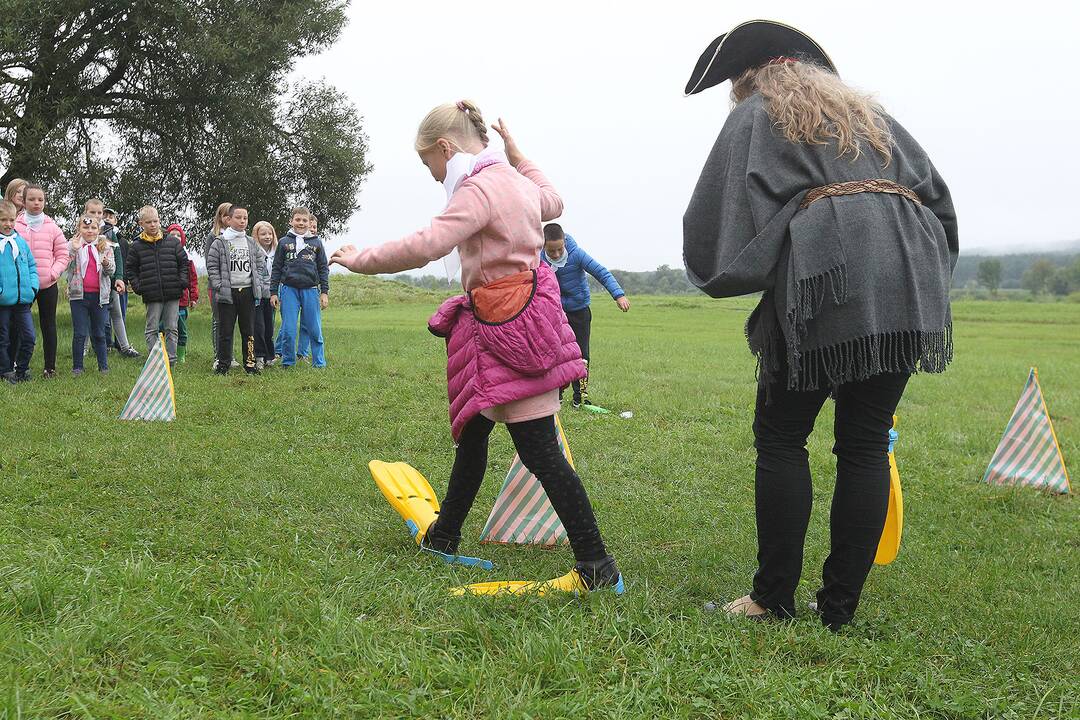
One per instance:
(600, 574)
(130, 352)
(48, 374)
(439, 542)
(11, 377)
(221, 370)
(22, 376)
(252, 371)
(76, 373)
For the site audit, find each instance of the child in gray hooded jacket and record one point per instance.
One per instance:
(238, 281)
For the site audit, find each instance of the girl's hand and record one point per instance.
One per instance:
(348, 257)
(76, 243)
(324, 301)
(120, 286)
(274, 302)
(623, 303)
(513, 154)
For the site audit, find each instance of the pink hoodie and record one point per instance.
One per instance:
(49, 247)
(493, 220)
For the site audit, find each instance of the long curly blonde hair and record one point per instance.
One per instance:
(812, 105)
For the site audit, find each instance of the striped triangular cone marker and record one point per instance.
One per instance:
(1029, 454)
(153, 397)
(523, 514)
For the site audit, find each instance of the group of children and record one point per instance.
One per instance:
(250, 276)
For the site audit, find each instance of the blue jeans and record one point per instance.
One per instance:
(88, 317)
(303, 347)
(304, 303)
(16, 321)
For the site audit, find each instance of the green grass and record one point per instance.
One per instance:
(241, 563)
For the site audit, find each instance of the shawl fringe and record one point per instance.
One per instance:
(902, 351)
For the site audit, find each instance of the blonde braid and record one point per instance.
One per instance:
(477, 120)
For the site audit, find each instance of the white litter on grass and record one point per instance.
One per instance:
(626, 415)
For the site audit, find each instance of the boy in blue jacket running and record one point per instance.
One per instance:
(570, 264)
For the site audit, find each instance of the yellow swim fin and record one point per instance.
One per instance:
(889, 544)
(571, 582)
(410, 494)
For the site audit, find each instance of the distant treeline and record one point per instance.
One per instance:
(1013, 267)
(664, 280)
(1052, 273)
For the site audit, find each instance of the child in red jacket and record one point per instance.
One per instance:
(188, 299)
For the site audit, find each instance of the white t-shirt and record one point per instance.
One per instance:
(239, 263)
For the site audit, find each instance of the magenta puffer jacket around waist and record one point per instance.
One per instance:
(492, 364)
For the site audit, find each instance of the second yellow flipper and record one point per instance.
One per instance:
(571, 582)
(408, 492)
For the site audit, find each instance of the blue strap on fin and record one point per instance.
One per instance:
(451, 559)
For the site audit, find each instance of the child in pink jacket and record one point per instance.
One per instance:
(509, 346)
(50, 250)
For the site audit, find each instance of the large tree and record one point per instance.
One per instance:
(181, 104)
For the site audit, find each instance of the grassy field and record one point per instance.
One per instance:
(241, 563)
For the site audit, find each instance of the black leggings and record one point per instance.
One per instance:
(46, 304)
(581, 323)
(864, 412)
(537, 445)
(264, 331)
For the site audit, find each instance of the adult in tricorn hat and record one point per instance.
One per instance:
(817, 198)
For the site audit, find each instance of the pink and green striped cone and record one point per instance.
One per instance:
(522, 514)
(153, 397)
(1029, 454)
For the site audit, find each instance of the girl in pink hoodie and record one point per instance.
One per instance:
(509, 346)
(50, 250)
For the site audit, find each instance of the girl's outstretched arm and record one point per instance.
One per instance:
(466, 214)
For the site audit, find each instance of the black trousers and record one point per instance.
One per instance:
(46, 304)
(864, 413)
(537, 444)
(242, 309)
(264, 331)
(581, 323)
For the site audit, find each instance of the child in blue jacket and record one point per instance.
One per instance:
(19, 285)
(570, 264)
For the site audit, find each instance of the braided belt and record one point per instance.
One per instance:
(859, 186)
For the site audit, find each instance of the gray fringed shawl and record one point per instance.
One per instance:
(853, 286)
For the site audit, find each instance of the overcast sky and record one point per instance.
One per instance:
(593, 93)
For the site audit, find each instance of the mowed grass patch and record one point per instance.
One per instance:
(240, 562)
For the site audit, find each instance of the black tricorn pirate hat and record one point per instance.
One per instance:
(751, 44)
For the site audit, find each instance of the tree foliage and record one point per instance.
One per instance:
(1037, 277)
(178, 104)
(990, 274)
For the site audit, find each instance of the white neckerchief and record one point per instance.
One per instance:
(458, 168)
(6, 240)
(300, 244)
(34, 221)
(84, 259)
(230, 234)
(561, 262)
(462, 164)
